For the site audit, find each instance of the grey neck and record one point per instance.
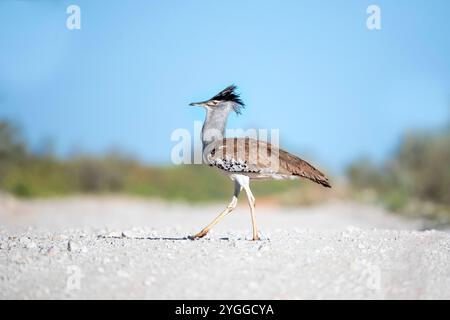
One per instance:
(214, 126)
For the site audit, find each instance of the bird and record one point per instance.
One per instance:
(245, 159)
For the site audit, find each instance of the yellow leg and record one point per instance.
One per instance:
(251, 203)
(229, 209)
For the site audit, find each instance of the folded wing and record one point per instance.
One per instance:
(260, 159)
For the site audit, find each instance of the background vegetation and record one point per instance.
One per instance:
(41, 174)
(414, 181)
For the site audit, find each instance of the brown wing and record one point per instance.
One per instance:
(298, 167)
(245, 155)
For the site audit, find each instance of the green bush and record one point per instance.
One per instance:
(418, 172)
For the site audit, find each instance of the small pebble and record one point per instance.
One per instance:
(31, 245)
(73, 246)
(123, 274)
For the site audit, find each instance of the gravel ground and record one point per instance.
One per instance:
(93, 248)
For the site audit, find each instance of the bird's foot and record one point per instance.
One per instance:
(199, 235)
(256, 238)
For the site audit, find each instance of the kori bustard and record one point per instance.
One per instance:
(245, 159)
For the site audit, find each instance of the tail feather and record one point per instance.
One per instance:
(298, 167)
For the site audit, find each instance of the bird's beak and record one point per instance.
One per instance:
(193, 104)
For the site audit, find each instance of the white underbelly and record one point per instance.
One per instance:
(257, 176)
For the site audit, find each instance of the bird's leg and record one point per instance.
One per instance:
(251, 202)
(205, 230)
(229, 209)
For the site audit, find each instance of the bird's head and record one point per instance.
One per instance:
(227, 99)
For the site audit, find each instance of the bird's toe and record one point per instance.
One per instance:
(197, 236)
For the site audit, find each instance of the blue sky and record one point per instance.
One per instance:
(312, 69)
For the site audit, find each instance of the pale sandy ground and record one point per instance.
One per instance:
(93, 248)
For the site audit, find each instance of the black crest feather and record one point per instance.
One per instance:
(230, 94)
